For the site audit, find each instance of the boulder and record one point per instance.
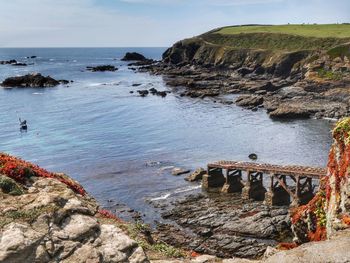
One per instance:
(31, 80)
(196, 175)
(285, 111)
(249, 100)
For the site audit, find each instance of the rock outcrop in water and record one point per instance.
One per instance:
(133, 56)
(102, 68)
(311, 81)
(31, 80)
(48, 217)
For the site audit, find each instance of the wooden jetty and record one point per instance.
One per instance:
(288, 185)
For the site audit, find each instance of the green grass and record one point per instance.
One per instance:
(318, 31)
(285, 38)
(330, 75)
(340, 51)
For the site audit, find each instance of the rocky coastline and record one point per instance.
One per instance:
(288, 84)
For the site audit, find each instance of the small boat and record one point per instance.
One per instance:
(23, 124)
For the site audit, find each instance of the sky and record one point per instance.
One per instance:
(147, 23)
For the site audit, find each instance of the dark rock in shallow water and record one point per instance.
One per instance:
(64, 81)
(102, 68)
(30, 80)
(133, 56)
(179, 171)
(7, 62)
(143, 93)
(19, 64)
(161, 93)
(153, 91)
(288, 112)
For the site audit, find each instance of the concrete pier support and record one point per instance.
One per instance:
(277, 195)
(304, 191)
(213, 179)
(254, 188)
(233, 182)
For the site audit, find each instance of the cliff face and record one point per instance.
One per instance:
(47, 217)
(197, 51)
(211, 50)
(329, 211)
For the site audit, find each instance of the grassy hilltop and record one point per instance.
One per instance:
(280, 37)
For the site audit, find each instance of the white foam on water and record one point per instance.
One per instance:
(37, 93)
(96, 84)
(187, 189)
(162, 197)
(177, 191)
(167, 168)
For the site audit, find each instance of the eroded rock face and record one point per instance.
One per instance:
(51, 223)
(30, 80)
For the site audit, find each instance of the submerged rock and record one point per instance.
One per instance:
(31, 80)
(179, 171)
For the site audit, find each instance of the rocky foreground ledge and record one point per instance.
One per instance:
(47, 217)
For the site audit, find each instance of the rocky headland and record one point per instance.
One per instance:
(289, 75)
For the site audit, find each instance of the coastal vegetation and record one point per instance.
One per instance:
(280, 37)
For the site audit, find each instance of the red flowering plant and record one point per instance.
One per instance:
(21, 171)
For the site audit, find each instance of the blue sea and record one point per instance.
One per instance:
(120, 146)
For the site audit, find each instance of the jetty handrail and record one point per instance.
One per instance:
(296, 170)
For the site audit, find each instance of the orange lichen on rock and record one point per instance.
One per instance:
(21, 171)
(195, 254)
(108, 214)
(287, 246)
(346, 219)
(319, 234)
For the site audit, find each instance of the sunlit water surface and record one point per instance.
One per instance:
(121, 146)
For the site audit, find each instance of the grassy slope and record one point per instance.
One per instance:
(318, 31)
(282, 37)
